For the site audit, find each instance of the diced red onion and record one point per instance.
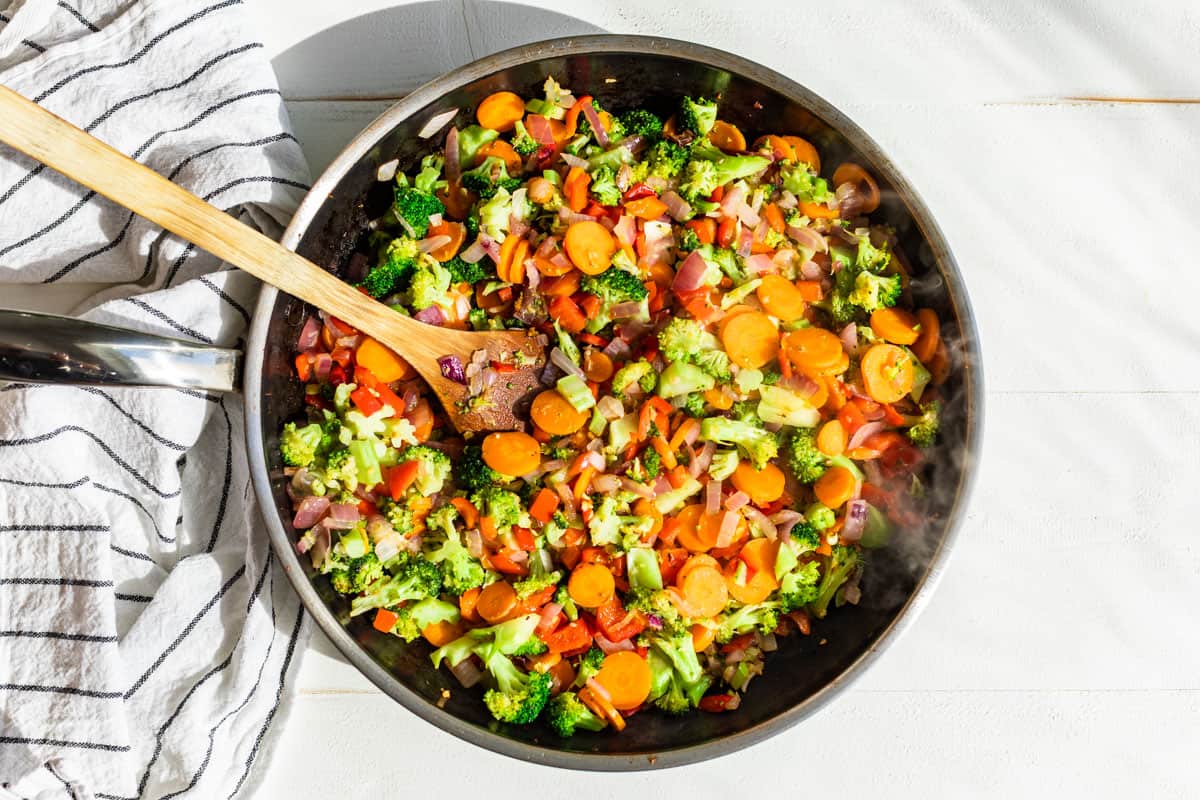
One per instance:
(474, 252)
(348, 342)
(309, 511)
(864, 432)
(309, 334)
(767, 642)
(729, 524)
(436, 123)
(659, 241)
(626, 230)
(702, 460)
(852, 594)
(570, 217)
(690, 275)
(785, 520)
(574, 161)
(748, 215)
(388, 549)
(451, 165)
(593, 119)
(599, 690)
(605, 484)
(855, 521)
(517, 227)
(564, 494)
(624, 310)
(640, 489)
(733, 200)
(735, 656)
(758, 518)
(617, 348)
(624, 177)
(549, 618)
(452, 368)
(737, 500)
(560, 359)
(322, 366)
(430, 316)
(787, 200)
(387, 170)
(662, 486)
(431, 243)
(654, 621)
(610, 407)
(411, 397)
(467, 673)
(435, 219)
(593, 458)
(634, 144)
(677, 207)
(849, 337)
(712, 497)
(474, 542)
(343, 512)
(609, 646)
(808, 239)
(322, 541)
(656, 183)
(801, 384)
(760, 264)
(811, 271)
(518, 556)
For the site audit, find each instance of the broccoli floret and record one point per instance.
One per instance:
(341, 470)
(299, 446)
(699, 180)
(433, 468)
(697, 116)
(798, 180)
(724, 463)
(535, 583)
(489, 177)
(398, 514)
(784, 407)
(761, 617)
(872, 292)
(396, 265)
(842, 563)
(820, 516)
(614, 286)
(503, 506)
(461, 571)
(682, 337)
(566, 714)
(522, 142)
(694, 405)
(715, 363)
(604, 186)
(807, 462)
(414, 207)
(607, 526)
(519, 697)
(652, 463)
(665, 160)
(471, 139)
(589, 665)
(331, 427)
(429, 180)
(356, 574)
(657, 604)
(681, 378)
(494, 214)
(687, 682)
(640, 372)
(462, 272)
(688, 240)
(728, 261)
(870, 257)
(413, 618)
(710, 168)
(806, 535)
(472, 473)
(924, 432)
(858, 288)
(430, 283)
(798, 588)
(415, 579)
(640, 122)
(756, 444)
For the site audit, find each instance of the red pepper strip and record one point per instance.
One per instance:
(715, 703)
(637, 192)
(400, 477)
(366, 402)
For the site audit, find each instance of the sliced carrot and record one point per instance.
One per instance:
(647, 208)
(591, 585)
(575, 187)
(550, 269)
(467, 510)
(750, 339)
(705, 228)
(554, 414)
(804, 152)
(694, 531)
(780, 148)
(857, 176)
(836, 367)
(726, 136)
(385, 620)
(887, 373)
(831, 439)
(759, 556)
(646, 508)
(498, 148)
(836, 487)
(457, 233)
(812, 348)
(773, 214)
(664, 451)
(544, 505)
(467, 601)
(442, 632)
(590, 246)
(926, 345)
(682, 432)
(386, 366)
(764, 486)
(697, 560)
(512, 452)
(495, 601)
(718, 399)
(705, 591)
(581, 483)
(626, 677)
(601, 707)
(507, 249)
(895, 325)
(597, 366)
(500, 111)
(702, 637)
(780, 297)
(516, 265)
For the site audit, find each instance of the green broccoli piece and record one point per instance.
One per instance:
(842, 563)
(494, 214)
(430, 283)
(490, 177)
(694, 405)
(710, 168)
(640, 122)
(724, 463)
(608, 526)
(503, 506)
(535, 583)
(651, 463)
(414, 207)
(688, 240)
(665, 160)
(870, 257)
(658, 604)
(924, 432)
(519, 697)
(415, 579)
(566, 714)
(412, 618)
(604, 186)
(432, 470)
(299, 446)
(640, 372)
(471, 139)
(429, 179)
(798, 588)
(872, 292)
(697, 116)
(682, 337)
(715, 363)
(807, 462)
(699, 180)
(820, 516)
(398, 514)
(806, 536)
(472, 473)
(589, 665)
(681, 378)
(756, 444)
(331, 428)
(615, 286)
(462, 272)
(798, 180)
(761, 617)
(396, 265)
(522, 142)
(687, 682)
(563, 598)
(461, 571)
(356, 574)
(341, 470)
(728, 261)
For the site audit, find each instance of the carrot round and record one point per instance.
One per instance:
(812, 348)
(804, 152)
(504, 151)
(764, 486)
(702, 637)
(441, 633)
(496, 601)
(780, 147)
(597, 366)
(696, 561)
(552, 413)
(831, 439)
(575, 187)
(694, 529)
(500, 111)
(512, 453)
(591, 585)
(836, 487)
(382, 362)
(895, 325)
(705, 591)
(457, 233)
(781, 298)
(887, 373)
(727, 137)
(835, 367)
(854, 174)
(626, 678)
(755, 590)
(759, 555)
(750, 339)
(590, 247)
(926, 345)
(646, 508)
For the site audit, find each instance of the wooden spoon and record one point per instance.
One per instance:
(58, 144)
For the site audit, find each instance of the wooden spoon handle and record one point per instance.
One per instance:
(57, 143)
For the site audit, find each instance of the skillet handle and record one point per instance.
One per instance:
(47, 348)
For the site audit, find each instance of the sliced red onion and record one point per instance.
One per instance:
(322, 366)
(474, 252)
(626, 230)
(322, 541)
(865, 432)
(548, 620)
(677, 207)
(872, 472)
(808, 239)
(659, 241)
(634, 144)
(605, 484)
(855, 521)
(745, 243)
(574, 161)
(662, 486)
(849, 200)
(617, 348)
(609, 646)
(564, 494)
(517, 227)
(387, 170)
(748, 215)
(610, 407)
(852, 594)
(733, 200)
(787, 200)
(436, 123)
(411, 397)
(849, 337)
(343, 512)
(547, 248)
(593, 458)
(624, 177)
(599, 690)
(692, 434)
(431, 243)
(474, 541)
(467, 673)
(785, 520)
(767, 643)
(388, 549)
(430, 316)
(309, 511)
(760, 264)
(560, 260)
(539, 129)
(640, 489)
(570, 217)
(712, 497)
(309, 334)
(452, 368)
(702, 460)
(560, 359)
(759, 519)
(811, 271)
(800, 384)
(736, 500)
(729, 524)
(533, 278)
(348, 342)
(690, 275)
(593, 119)
(378, 528)
(625, 310)
(340, 524)
(451, 165)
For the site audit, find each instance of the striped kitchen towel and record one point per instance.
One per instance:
(148, 640)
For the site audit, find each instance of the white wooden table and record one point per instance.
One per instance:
(1058, 144)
